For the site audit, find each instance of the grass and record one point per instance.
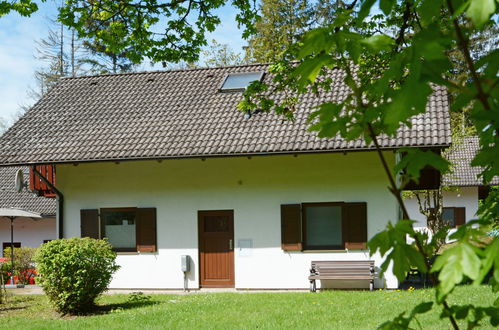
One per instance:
(300, 310)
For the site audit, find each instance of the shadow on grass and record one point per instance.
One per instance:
(13, 303)
(104, 309)
(135, 300)
(11, 308)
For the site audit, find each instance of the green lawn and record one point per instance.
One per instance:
(303, 310)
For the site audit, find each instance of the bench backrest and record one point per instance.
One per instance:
(363, 267)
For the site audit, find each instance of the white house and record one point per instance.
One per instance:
(462, 187)
(164, 165)
(27, 232)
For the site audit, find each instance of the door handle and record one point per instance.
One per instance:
(230, 244)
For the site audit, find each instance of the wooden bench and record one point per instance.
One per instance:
(341, 270)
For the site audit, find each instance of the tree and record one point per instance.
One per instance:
(391, 62)
(218, 54)
(480, 43)
(3, 125)
(63, 55)
(163, 31)
(431, 205)
(282, 24)
(102, 59)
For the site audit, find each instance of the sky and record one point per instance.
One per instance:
(18, 48)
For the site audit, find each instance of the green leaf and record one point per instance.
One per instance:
(365, 9)
(309, 69)
(480, 11)
(316, 41)
(386, 6)
(378, 42)
(379, 242)
(491, 260)
(455, 263)
(410, 100)
(429, 10)
(422, 308)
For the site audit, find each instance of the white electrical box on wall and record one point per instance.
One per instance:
(244, 247)
(186, 263)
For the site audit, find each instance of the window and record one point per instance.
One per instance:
(127, 229)
(483, 192)
(454, 216)
(239, 81)
(119, 228)
(324, 226)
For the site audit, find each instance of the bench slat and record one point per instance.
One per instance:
(350, 277)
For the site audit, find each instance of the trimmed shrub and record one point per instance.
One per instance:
(74, 272)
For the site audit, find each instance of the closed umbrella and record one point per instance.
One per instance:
(11, 214)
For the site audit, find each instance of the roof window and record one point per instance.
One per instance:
(235, 82)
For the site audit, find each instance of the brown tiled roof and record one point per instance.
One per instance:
(177, 114)
(460, 155)
(24, 200)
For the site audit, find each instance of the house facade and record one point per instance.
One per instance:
(462, 189)
(27, 232)
(165, 166)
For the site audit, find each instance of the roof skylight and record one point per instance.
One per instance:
(239, 81)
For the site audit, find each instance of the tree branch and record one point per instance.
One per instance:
(463, 44)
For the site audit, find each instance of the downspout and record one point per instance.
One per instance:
(60, 201)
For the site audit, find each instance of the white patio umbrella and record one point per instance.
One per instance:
(11, 214)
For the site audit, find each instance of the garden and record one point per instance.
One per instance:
(73, 299)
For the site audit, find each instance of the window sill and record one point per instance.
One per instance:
(133, 253)
(334, 251)
(323, 251)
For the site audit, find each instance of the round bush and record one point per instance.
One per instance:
(74, 271)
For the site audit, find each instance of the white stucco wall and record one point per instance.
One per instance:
(458, 197)
(31, 233)
(254, 188)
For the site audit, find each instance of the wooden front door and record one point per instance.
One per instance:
(216, 248)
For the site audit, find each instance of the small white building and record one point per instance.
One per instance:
(27, 232)
(164, 165)
(462, 187)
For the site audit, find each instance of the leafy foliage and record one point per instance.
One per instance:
(74, 271)
(22, 7)
(392, 62)
(164, 31)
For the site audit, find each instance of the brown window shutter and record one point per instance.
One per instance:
(146, 230)
(459, 216)
(355, 225)
(291, 227)
(89, 221)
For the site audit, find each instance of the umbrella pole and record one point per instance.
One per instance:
(12, 250)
